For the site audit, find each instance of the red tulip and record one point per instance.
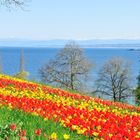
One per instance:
(13, 127)
(38, 132)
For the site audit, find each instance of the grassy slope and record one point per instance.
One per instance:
(30, 123)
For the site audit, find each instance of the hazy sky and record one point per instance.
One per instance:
(73, 19)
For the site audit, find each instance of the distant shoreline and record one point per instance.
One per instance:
(101, 46)
(60, 43)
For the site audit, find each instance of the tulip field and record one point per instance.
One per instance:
(62, 114)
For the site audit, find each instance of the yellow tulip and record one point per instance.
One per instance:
(66, 136)
(54, 136)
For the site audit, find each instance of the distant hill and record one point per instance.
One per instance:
(121, 43)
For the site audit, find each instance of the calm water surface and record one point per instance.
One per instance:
(36, 57)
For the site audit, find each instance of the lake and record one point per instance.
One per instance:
(37, 57)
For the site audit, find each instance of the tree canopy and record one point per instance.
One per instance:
(137, 91)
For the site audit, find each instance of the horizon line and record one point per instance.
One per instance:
(70, 39)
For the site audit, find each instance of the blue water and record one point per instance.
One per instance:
(35, 58)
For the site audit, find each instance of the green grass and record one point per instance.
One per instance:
(31, 122)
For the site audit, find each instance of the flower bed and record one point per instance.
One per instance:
(87, 116)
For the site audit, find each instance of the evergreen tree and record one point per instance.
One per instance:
(138, 78)
(137, 91)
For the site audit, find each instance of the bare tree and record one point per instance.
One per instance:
(114, 79)
(70, 68)
(9, 3)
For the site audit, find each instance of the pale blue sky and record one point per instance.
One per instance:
(73, 19)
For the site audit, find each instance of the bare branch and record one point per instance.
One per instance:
(69, 68)
(14, 3)
(114, 79)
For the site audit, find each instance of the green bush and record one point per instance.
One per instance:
(22, 75)
(137, 94)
